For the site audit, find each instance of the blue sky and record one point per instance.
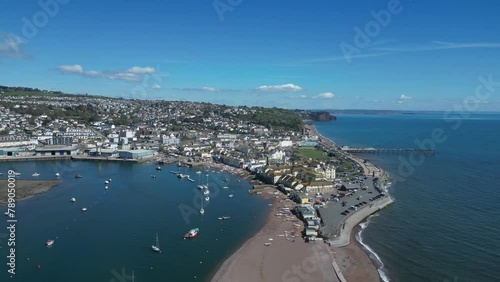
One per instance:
(370, 54)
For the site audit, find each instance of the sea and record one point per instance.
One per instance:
(445, 222)
(111, 241)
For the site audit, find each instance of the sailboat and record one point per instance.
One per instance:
(156, 246)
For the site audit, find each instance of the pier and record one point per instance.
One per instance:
(387, 150)
(34, 158)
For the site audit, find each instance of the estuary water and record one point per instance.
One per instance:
(445, 222)
(113, 237)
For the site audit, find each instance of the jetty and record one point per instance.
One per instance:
(387, 150)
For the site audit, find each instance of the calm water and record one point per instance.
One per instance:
(445, 222)
(120, 225)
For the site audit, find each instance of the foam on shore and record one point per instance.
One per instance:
(372, 254)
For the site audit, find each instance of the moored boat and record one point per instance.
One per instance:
(231, 195)
(156, 246)
(84, 209)
(193, 233)
(73, 200)
(158, 168)
(35, 174)
(57, 174)
(78, 176)
(50, 243)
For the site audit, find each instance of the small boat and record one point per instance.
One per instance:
(106, 182)
(50, 243)
(158, 168)
(267, 244)
(180, 175)
(206, 192)
(153, 176)
(189, 179)
(239, 180)
(109, 180)
(225, 187)
(106, 187)
(193, 233)
(73, 200)
(156, 246)
(198, 172)
(230, 195)
(174, 172)
(202, 211)
(78, 176)
(207, 198)
(57, 174)
(35, 174)
(200, 187)
(84, 209)
(224, 218)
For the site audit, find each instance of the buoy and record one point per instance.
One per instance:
(38, 266)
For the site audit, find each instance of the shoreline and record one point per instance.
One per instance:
(26, 189)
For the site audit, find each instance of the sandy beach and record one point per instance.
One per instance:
(26, 188)
(287, 257)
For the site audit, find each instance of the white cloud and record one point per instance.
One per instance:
(404, 97)
(290, 87)
(209, 89)
(71, 69)
(11, 46)
(141, 70)
(326, 95)
(133, 74)
(156, 86)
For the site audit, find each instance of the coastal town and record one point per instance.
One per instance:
(320, 191)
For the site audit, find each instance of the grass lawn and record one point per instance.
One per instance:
(312, 153)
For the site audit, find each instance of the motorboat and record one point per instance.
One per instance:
(224, 218)
(57, 174)
(158, 168)
(35, 174)
(225, 187)
(106, 182)
(190, 179)
(230, 195)
(206, 192)
(200, 187)
(73, 200)
(193, 233)
(202, 211)
(153, 176)
(84, 209)
(106, 187)
(50, 243)
(156, 246)
(78, 176)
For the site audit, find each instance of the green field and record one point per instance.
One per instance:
(312, 153)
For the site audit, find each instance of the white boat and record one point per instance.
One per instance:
(207, 198)
(189, 179)
(156, 246)
(230, 195)
(198, 172)
(267, 244)
(84, 209)
(57, 174)
(206, 192)
(50, 243)
(35, 174)
(200, 187)
(109, 180)
(202, 210)
(73, 200)
(224, 218)
(106, 182)
(106, 187)
(225, 187)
